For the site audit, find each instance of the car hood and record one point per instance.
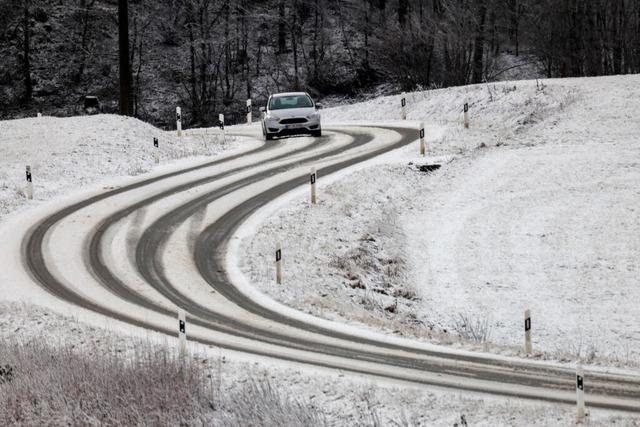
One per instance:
(292, 112)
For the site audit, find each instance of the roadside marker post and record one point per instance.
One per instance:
(279, 264)
(182, 332)
(39, 114)
(221, 125)
(423, 146)
(403, 107)
(29, 184)
(312, 179)
(580, 394)
(179, 120)
(249, 118)
(156, 154)
(466, 115)
(527, 331)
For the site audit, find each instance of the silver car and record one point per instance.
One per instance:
(292, 113)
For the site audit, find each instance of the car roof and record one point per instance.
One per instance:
(289, 94)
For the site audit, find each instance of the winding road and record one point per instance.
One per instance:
(139, 252)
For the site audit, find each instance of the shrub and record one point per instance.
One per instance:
(477, 329)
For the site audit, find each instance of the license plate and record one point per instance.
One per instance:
(296, 126)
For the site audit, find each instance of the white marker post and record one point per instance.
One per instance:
(182, 332)
(312, 179)
(29, 184)
(39, 114)
(466, 115)
(403, 107)
(179, 120)
(580, 394)
(527, 331)
(423, 146)
(221, 124)
(156, 154)
(279, 264)
(249, 118)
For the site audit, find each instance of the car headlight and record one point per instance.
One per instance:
(272, 116)
(313, 116)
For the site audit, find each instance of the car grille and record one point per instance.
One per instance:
(292, 121)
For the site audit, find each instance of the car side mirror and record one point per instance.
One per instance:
(318, 106)
(263, 109)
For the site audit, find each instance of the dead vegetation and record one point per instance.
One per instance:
(43, 384)
(378, 277)
(475, 329)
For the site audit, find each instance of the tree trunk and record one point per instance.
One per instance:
(28, 85)
(192, 77)
(294, 46)
(203, 19)
(367, 29)
(86, 7)
(258, 60)
(137, 88)
(403, 9)
(514, 23)
(618, 36)
(478, 52)
(282, 28)
(314, 51)
(125, 66)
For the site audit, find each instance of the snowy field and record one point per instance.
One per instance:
(535, 207)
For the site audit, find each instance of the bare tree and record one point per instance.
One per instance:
(478, 48)
(125, 64)
(28, 85)
(83, 18)
(210, 55)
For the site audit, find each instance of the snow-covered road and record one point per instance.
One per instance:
(174, 231)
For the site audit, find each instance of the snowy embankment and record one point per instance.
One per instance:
(535, 207)
(67, 154)
(222, 388)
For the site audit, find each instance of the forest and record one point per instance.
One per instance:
(209, 56)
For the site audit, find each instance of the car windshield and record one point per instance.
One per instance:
(290, 101)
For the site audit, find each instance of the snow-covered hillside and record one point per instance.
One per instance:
(67, 154)
(535, 207)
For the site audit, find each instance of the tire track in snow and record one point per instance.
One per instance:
(487, 370)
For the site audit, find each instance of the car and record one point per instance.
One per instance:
(291, 113)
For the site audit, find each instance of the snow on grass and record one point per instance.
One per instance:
(67, 372)
(498, 111)
(67, 154)
(85, 376)
(341, 258)
(534, 207)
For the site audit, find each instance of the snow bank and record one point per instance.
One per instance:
(70, 153)
(493, 108)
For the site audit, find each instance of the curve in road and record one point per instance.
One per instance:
(469, 371)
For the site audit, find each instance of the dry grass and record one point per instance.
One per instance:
(475, 329)
(61, 385)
